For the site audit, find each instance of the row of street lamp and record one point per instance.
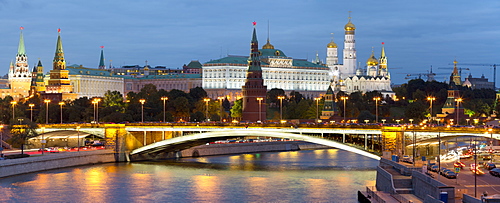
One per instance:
(96, 101)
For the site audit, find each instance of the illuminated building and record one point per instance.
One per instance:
(349, 78)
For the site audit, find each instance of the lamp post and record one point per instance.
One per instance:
(43, 140)
(439, 154)
(164, 99)
(259, 99)
(96, 101)
(61, 104)
(13, 110)
(376, 99)
(411, 121)
(317, 108)
(383, 121)
(431, 99)
(78, 138)
(142, 109)
(220, 102)
(344, 98)
(281, 106)
(206, 100)
(31, 109)
(1, 140)
(458, 100)
(47, 101)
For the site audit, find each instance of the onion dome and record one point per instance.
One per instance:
(268, 45)
(467, 83)
(349, 26)
(331, 45)
(372, 61)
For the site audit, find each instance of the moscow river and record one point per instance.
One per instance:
(326, 175)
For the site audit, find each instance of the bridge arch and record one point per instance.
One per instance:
(187, 141)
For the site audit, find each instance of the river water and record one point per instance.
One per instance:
(327, 175)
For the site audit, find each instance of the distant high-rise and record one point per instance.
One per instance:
(254, 86)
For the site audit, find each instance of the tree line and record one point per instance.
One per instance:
(410, 102)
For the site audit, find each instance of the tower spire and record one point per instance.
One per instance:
(268, 45)
(59, 63)
(21, 50)
(101, 60)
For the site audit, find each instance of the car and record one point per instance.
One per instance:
(434, 168)
(459, 164)
(495, 172)
(450, 175)
(430, 165)
(407, 159)
(489, 165)
(443, 170)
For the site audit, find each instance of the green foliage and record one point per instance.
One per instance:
(236, 111)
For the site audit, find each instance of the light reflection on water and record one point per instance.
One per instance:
(301, 176)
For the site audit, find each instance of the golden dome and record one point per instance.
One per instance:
(349, 26)
(331, 45)
(372, 61)
(268, 45)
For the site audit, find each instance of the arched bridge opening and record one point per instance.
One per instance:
(195, 139)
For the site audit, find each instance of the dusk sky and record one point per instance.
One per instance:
(417, 34)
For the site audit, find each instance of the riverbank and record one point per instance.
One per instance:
(51, 161)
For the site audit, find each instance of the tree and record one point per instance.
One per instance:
(236, 111)
(22, 131)
(197, 93)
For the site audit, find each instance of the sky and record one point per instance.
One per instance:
(417, 34)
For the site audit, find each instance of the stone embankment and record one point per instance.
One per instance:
(51, 161)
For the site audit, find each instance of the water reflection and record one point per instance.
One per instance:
(300, 176)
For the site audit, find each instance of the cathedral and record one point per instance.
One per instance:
(350, 77)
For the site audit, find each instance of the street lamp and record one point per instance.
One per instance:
(317, 108)
(13, 105)
(458, 100)
(96, 101)
(411, 121)
(376, 99)
(1, 140)
(47, 101)
(430, 99)
(259, 99)
(31, 109)
(164, 99)
(61, 104)
(78, 137)
(206, 100)
(383, 121)
(142, 109)
(43, 140)
(344, 98)
(220, 102)
(281, 106)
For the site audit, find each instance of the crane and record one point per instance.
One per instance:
(459, 69)
(430, 76)
(486, 64)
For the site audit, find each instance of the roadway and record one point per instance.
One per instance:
(465, 179)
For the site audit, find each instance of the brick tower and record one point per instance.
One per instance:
(254, 91)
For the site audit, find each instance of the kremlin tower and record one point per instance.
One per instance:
(101, 60)
(19, 73)
(254, 91)
(59, 87)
